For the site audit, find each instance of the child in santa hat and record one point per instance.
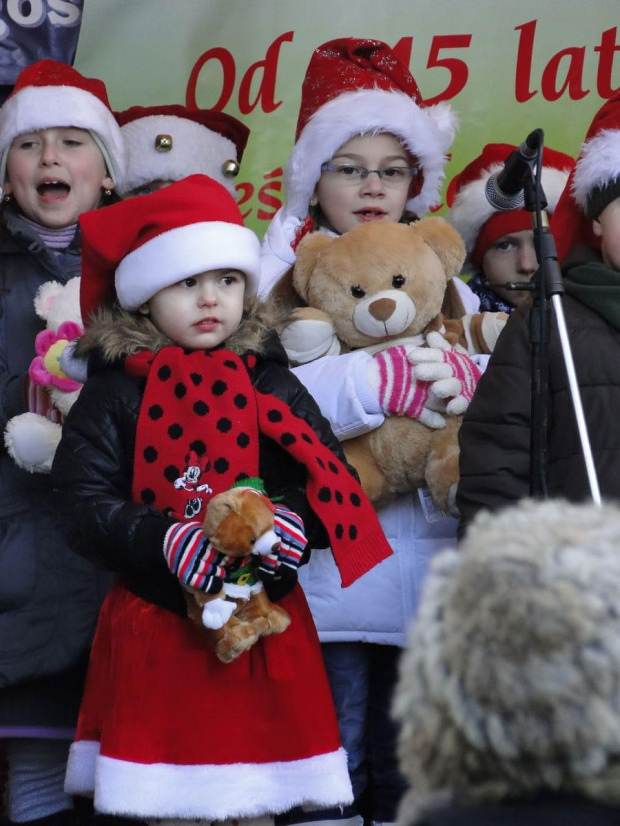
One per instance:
(500, 244)
(60, 153)
(192, 367)
(495, 435)
(367, 149)
(170, 142)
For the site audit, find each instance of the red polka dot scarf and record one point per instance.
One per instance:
(198, 433)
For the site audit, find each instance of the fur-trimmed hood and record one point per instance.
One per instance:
(115, 334)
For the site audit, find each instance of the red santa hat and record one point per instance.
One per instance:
(479, 223)
(133, 249)
(353, 87)
(51, 94)
(594, 183)
(167, 143)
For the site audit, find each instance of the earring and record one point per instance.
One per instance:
(7, 198)
(107, 193)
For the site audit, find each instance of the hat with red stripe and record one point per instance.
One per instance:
(471, 214)
(49, 94)
(167, 143)
(353, 87)
(594, 183)
(133, 249)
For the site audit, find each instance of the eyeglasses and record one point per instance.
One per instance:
(392, 176)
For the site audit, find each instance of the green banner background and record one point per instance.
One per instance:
(507, 67)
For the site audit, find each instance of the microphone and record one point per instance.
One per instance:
(504, 190)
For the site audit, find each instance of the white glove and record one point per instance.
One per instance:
(217, 612)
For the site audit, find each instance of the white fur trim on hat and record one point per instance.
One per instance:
(471, 209)
(195, 149)
(183, 252)
(598, 165)
(49, 107)
(426, 132)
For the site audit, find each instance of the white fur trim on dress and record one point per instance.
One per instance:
(183, 252)
(426, 132)
(216, 792)
(597, 165)
(46, 107)
(471, 209)
(195, 149)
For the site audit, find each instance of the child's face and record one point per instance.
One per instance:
(346, 202)
(200, 312)
(607, 228)
(511, 258)
(55, 175)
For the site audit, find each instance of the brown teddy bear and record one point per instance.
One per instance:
(239, 523)
(379, 286)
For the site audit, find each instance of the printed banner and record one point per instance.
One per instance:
(33, 29)
(506, 67)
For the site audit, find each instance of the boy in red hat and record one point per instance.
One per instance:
(495, 435)
(60, 152)
(366, 149)
(192, 367)
(170, 142)
(500, 244)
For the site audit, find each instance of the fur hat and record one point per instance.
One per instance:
(134, 249)
(479, 224)
(170, 142)
(594, 183)
(352, 87)
(511, 680)
(50, 94)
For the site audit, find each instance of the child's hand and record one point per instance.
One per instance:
(452, 374)
(217, 612)
(400, 392)
(193, 559)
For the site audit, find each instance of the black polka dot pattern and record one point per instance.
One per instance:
(197, 431)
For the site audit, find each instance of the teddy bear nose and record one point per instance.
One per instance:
(382, 308)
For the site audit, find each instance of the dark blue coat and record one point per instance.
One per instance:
(49, 597)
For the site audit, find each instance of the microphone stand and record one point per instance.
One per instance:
(547, 286)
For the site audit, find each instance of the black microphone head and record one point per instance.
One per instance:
(500, 200)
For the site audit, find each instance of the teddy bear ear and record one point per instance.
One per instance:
(445, 242)
(45, 297)
(307, 253)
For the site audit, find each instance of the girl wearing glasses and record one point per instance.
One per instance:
(366, 150)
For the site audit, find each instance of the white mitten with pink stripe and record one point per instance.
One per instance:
(453, 375)
(391, 375)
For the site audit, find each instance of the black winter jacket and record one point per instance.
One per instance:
(48, 598)
(93, 467)
(495, 435)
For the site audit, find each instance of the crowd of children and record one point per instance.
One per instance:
(188, 392)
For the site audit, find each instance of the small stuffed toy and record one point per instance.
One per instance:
(240, 525)
(386, 287)
(32, 438)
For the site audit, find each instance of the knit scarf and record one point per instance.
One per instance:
(597, 286)
(489, 300)
(198, 433)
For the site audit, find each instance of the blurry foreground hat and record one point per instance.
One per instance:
(135, 248)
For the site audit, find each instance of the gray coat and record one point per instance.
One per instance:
(49, 597)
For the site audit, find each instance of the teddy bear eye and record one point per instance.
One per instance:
(398, 281)
(253, 541)
(357, 292)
